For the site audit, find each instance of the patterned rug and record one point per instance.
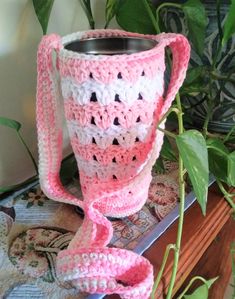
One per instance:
(33, 229)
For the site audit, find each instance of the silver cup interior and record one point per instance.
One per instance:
(111, 45)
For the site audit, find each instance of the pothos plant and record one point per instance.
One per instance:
(199, 153)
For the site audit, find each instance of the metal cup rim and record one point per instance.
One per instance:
(147, 44)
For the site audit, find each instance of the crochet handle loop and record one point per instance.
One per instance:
(49, 124)
(180, 48)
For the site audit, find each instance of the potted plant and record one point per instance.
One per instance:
(208, 91)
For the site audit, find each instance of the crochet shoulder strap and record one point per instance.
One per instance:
(49, 124)
(180, 48)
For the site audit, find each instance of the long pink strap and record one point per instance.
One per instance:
(49, 125)
(87, 262)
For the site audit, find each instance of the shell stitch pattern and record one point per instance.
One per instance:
(112, 105)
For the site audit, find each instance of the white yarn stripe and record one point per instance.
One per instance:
(105, 93)
(104, 138)
(105, 172)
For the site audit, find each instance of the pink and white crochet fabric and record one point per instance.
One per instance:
(112, 106)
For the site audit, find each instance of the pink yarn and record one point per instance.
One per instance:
(112, 107)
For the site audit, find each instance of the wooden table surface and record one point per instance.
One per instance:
(205, 247)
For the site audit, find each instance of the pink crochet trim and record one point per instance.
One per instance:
(80, 266)
(112, 107)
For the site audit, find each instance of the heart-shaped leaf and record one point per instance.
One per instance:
(132, 15)
(229, 26)
(197, 21)
(11, 123)
(43, 10)
(193, 151)
(202, 291)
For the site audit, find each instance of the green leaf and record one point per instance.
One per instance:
(197, 21)
(202, 291)
(196, 81)
(132, 15)
(8, 188)
(17, 186)
(110, 10)
(193, 151)
(11, 123)
(167, 152)
(43, 10)
(194, 89)
(86, 6)
(229, 26)
(218, 158)
(195, 74)
(231, 169)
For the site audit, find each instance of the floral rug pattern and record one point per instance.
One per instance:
(41, 228)
(34, 196)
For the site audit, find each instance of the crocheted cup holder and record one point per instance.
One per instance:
(112, 104)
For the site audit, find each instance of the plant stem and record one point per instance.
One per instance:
(181, 207)
(190, 284)
(223, 153)
(210, 107)
(28, 151)
(206, 122)
(168, 133)
(229, 134)
(179, 106)
(160, 273)
(222, 78)
(215, 135)
(227, 196)
(172, 109)
(229, 74)
(164, 5)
